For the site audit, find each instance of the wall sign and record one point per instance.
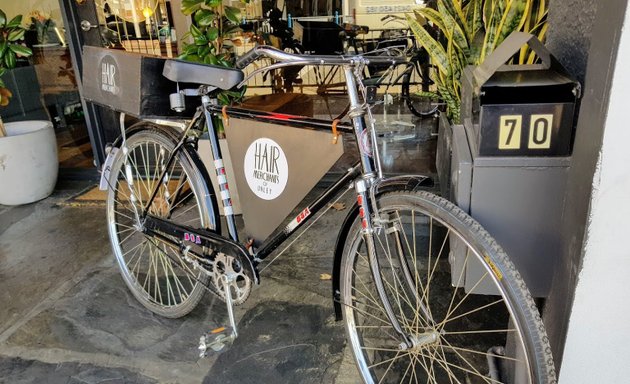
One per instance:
(266, 168)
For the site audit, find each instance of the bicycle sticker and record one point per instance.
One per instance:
(266, 168)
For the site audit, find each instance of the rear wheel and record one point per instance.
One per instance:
(417, 92)
(456, 295)
(156, 274)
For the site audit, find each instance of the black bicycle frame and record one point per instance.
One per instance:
(200, 237)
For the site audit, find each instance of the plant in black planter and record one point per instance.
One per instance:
(471, 31)
(29, 149)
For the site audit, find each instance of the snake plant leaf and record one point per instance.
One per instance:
(20, 50)
(474, 17)
(15, 22)
(435, 50)
(233, 14)
(451, 24)
(189, 7)
(431, 15)
(513, 19)
(491, 28)
(454, 9)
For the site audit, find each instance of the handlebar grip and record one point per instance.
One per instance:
(248, 58)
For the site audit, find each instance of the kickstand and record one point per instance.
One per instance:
(219, 338)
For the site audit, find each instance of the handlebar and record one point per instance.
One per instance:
(288, 58)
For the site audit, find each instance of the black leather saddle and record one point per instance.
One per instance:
(212, 75)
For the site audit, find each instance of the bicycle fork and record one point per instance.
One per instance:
(368, 231)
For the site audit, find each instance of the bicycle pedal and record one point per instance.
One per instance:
(216, 340)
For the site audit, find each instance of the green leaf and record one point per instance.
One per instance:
(21, 50)
(190, 6)
(233, 14)
(201, 40)
(10, 59)
(190, 49)
(2, 72)
(210, 59)
(194, 58)
(15, 22)
(16, 34)
(195, 32)
(224, 99)
(205, 17)
(203, 51)
(4, 45)
(212, 33)
(3, 18)
(213, 3)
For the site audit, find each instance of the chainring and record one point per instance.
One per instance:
(240, 287)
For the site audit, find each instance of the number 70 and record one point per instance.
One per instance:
(540, 129)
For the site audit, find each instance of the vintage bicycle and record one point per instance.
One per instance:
(426, 294)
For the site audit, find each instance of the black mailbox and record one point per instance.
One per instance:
(519, 110)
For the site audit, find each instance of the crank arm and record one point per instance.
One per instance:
(219, 338)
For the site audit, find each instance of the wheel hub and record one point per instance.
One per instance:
(421, 340)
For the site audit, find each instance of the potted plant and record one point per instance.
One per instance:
(471, 30)
(28, 149)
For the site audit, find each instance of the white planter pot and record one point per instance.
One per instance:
(28, 162)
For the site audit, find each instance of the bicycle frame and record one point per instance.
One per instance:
(365, 175)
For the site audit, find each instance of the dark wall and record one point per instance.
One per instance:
(584, 35)
(569, 36)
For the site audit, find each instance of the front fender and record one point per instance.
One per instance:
(399, 183)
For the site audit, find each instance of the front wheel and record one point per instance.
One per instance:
(457, 297)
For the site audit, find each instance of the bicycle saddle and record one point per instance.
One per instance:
(212, 75)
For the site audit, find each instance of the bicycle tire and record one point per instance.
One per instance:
(157, 275)
(452, 342)
(413, 83)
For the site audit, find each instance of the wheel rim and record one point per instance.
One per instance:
(157, 274)
(452, 335)
(413, 86)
